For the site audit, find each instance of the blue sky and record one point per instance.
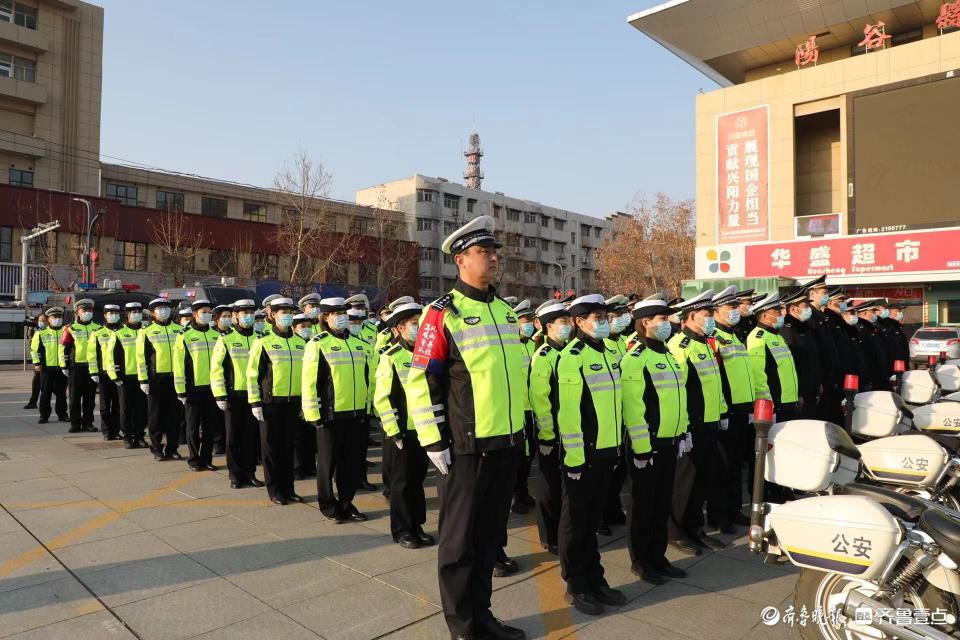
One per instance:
(575, 108)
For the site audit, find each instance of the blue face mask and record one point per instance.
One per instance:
(411, 336)
(600, 331)
(41, 325)
(824, 300)
(162, 313)
(354, 329)
(86, 316)
(735, 317)
(779, 323)
(806, 314)
(885, 314)
(563, 332)
(527, 329)
(621, 322)
(874, 319)
(112, 318)
(285, 320)
(246, 320)
(259, 326)
(205, 319)
(843, 307)
(305, 332)
(662, 331)
(226, 322)
(709, 326)
(340, 322)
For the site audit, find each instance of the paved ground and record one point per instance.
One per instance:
(100, 542)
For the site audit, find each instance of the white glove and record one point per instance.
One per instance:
(222, 405)
(183, 400)
(399, 443)
(441, 460)
(95, 381)
(750, 418)
(773, 419)
(145, 387)
(573, 476)
(724, 424)
(689, 440)
(641, 464)
(257, 413)
(118, 382)
(546, 449)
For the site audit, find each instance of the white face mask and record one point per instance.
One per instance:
(312, 313)
(135, 317)
(246, 320)
(86, 316)
(205, 318)
(226, 322)
(305, 332)
(162, 313)
(339, 322)
(56, 322)
(112, 318)
(354, 329)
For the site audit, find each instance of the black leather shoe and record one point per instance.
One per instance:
(609, 596)
(175, 456)
(494, 629)
(366, 485)
(584, 603)
(356, 516)
(129, 445)
(604, 530)
(141, 443)
(425, 539)
(255, 482)
(519, 507)
(408, 541)
(671, 571)
(648, 574)
(43, 421)
(505, 566)
(195, 468)
(210, 467)
(29, 406)
(235, 485)
(278, 500)
(90, 428)
(710, 542)
(553, 549)
(159, 457)
(686, 545)
(74, 430)
(295, 498)
(63, 418)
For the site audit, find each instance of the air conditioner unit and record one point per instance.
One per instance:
(584, 260)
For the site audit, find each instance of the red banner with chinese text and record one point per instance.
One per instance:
(918, 252)
(743, 176)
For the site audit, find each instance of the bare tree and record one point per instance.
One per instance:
(301, 185)
(179, 239)
(649, 249)
(396, 260)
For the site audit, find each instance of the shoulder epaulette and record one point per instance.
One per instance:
(390, 349)
(576, 347)
(544, 349)
(321, 335)
(445, 302)
(385, 348)
(724, 340)
(759, 333)
(638, 349)
(684, 342)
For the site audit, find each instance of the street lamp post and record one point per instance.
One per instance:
(91, 223)
(564, 275)
(39, 230)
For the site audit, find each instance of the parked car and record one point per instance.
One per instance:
(217, 294)
(932, 341)
(100, 297)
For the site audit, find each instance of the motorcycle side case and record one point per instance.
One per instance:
(910, 459)
(939, 417)
(810, 455)
(952, 397)
(852, 535)
(948, 375)
(876, 414)
(943, 579)
(918, 387)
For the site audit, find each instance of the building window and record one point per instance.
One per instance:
(170, 200)
(530, 217)
(43, 249)
(497, 211)
(597, 231)
(448, 283)
(513, 215)
(559, 247)
(584, 231)
(573, 237)
(447, 258)
(427, 283)
(470, 203)
(213, 207)
(425, 195)
(358, 227)
(255, 212)
(222, 262)
(21, 177)
(530, 243)
(559, 224)
(449, 227)
(545, 268)
(530, 267)
(17, 67)
(124, 193)
(429, 253)
(6, 244)
(451, 201)
(129, 256)
(25, 16)
(426, 224)
(265, 265)
(368, 274)
(545, 245)
(544, 221)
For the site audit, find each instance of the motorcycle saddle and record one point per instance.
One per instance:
(944, 529)
(899, 505)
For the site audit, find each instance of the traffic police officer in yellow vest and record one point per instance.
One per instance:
(522, 500)
(335, 378)
(273, 392)
(706, 407)
(228, 382)
(310, 306)
(368, 329)
(155, 374)
(45, 350)
(109, 398)
(466, 399)
(726, 495)
(357, 316)
(75, 363)
(402, 452)
(304, 436)
(192, 355)
(621, 321)
(557, 328)
(586, 386)
(655, 421)
(774, 373)
(386, 337)
(120, 364)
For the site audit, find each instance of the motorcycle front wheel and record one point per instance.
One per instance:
(824, 594)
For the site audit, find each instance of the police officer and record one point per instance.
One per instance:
(222, 323)
(359, 328)
(385, 337)
(192, 353)
(774, 373)
(706, 410)
(726, 495)
(807, 350)
(522, 500)
(620, 325)
(587, 387)
(557, 329)
(402, 452)
(155, 374)
(825, 339)
(75, 363)
(335, 378)
(120, 365)
(368, 328)
(273, 392)
(879, 362)
(655, 420)
(465, 392)
(620, 320)
(833, 315)
(228, 382)
(109, 397)
(44, 346)
(184, 316)
(310, 306)
(259, 321)
(898, 345)
(35, 324)
(843, 308)
(747, 321)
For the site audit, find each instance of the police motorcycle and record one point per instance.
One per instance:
(873, 563)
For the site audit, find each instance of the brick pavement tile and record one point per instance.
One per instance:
(44, 604)
(205, 533)
(267, 626)
(616, 627)
(381, 555)
(94, 626)
(246, 554)
(52, 522)
(432, 628)
(419, 580)
(331, 539)
(43, 499)
(44, 569)
(296, 580)
(19, 491)
(102, 554)
(126, 582)
(753, 582)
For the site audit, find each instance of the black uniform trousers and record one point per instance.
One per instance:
(133, 409)
(163, 415)
(276, 446)
(408, 469)
(109, 407)
(34, 388)
(202, 416)
(651, 499)
(339, 461)
(474, 507)
(83, 395)
(525, 453)
(549, 497)
(242, 435)
(613, 507)
(725, 499)
(53, 383)
(219, 430)
(581, 512)
(696, 472)
(304, 449)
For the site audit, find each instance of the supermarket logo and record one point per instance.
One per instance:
(719, 261)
